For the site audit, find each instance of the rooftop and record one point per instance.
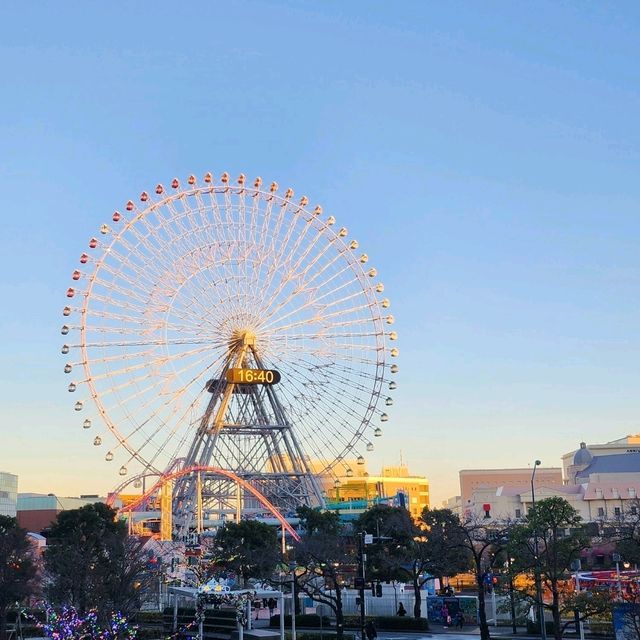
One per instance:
(615, 463)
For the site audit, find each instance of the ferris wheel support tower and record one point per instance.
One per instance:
(244, 429)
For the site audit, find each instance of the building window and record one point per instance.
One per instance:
(518, 513)
(616, 511)
(601, 511)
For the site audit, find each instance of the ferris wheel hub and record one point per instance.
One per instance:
(242, 338)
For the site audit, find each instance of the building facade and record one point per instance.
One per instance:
(601, 482)
(37, 511)
(394, 485)
(473, 480)
(8, 494)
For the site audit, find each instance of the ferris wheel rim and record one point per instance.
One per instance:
(346, 253)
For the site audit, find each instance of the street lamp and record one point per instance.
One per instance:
(292, 568)
(543, 629)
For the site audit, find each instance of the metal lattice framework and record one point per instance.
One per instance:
(206, 277)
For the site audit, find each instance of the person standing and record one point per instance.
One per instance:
(370, 630)
(444, 613)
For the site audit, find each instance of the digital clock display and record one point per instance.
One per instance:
(253, 376)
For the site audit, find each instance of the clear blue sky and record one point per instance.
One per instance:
(485, 155)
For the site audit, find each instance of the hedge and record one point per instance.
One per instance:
(310, 620)
(306, 635)
(533, 628)
(405, 623)
(148, 617)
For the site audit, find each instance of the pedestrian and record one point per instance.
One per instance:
(401, 610)
(271, 603)
(444, 614)
(370, 630)
(460, 620)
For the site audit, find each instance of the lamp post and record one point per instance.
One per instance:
(543, 628)
(362, 559)
(512, 602)
(292, 568)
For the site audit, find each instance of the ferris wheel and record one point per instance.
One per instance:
(185, 295)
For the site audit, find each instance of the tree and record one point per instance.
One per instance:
(17, 569)
(443, 543)
(628, 534)
(393, 531)
(547, 544)
(477, 539)
(413, 551)
(322, 554)
(249, 548)
(92, 564)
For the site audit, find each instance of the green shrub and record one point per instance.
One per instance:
(390, 622)
(306, 635)
(150, 634)
(533, 628)
(32, 631)
(148, 617)
(601, 628)
(310, 620)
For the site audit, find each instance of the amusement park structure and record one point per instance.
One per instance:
(235, 344)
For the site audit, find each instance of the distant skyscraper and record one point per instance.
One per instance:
(8, 494)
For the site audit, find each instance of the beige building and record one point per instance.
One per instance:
(473, 480)
(602, 482)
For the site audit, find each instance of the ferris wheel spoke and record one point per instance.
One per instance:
(293, 275)
(293, 265)
(328, 444)
(223, 228)
(309, 380)
(320, 314)
(158, 361)
(305, 287)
